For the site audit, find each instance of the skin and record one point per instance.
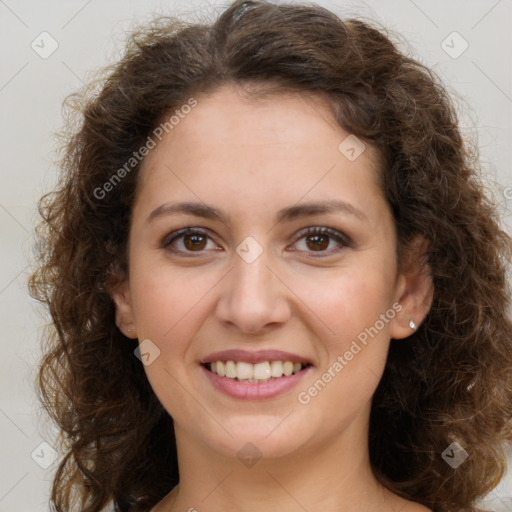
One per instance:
(251, 158)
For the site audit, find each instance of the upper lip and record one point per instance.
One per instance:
(254, 357)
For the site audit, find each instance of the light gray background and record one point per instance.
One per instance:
(89, 34)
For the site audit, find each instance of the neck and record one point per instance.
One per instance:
(333, 476)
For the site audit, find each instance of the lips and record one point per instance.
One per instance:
(254, 375)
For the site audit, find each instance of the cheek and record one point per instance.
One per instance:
(349, 299)
(167, 300)
(355, 307)
(169, 308)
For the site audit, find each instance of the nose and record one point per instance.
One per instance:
(253, 298)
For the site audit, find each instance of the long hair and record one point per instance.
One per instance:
(451, 382)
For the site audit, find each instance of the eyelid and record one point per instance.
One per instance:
(324, 230)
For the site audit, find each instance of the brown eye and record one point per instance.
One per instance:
(323, 241)
(194, 242)
(188, 240)
(317, 242)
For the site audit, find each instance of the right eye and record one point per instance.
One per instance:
(187, 240)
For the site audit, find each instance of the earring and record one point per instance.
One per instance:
(412, 325)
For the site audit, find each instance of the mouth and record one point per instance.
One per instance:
(259, 375)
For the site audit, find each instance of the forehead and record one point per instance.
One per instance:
(246, 117)
(279, 146)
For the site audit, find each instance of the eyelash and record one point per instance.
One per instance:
(342, 239)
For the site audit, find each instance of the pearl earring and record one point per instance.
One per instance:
(412, 325)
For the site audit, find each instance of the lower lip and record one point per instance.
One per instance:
(255, 390)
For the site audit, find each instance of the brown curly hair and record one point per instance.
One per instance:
(452, 380)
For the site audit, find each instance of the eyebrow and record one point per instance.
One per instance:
(284, 215)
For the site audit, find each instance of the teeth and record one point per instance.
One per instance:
(259, 372)
(276, 368)
(243, 370)
(230, 370)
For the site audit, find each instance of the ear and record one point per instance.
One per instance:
(415, 290)
(124, 311)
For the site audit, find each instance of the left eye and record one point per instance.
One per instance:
(322, 240)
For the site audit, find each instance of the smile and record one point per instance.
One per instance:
(261, 375)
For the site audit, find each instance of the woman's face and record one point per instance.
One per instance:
(288, 257)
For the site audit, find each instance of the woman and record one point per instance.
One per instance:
(275, 279)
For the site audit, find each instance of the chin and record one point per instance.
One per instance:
(266, 436)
